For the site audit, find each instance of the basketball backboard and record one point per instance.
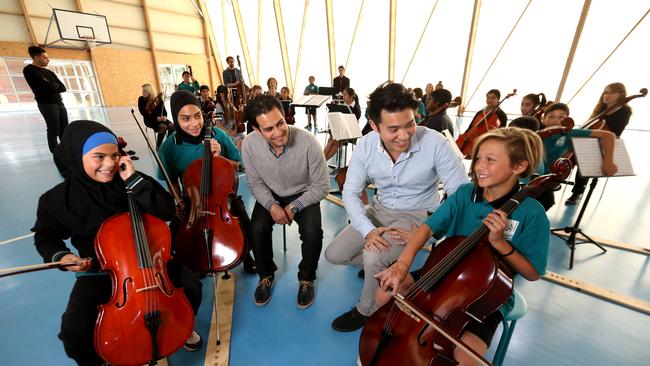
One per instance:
(77, 26)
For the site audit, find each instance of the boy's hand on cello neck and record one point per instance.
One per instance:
(497, 221)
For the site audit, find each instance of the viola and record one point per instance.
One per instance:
(452, 104)
(461, 276)
(154, 103)
(598, 122)
(210, 238)
(146, 318)
(487, 120)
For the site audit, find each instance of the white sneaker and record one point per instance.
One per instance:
(194, 342)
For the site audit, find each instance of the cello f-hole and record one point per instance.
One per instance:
(124, 293)
(161, 284)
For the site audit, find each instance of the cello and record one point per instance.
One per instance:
(146, 318)
(210, 238)
(488, 121)
(462, 279)
(598, 121)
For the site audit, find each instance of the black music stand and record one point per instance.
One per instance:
(574, 230)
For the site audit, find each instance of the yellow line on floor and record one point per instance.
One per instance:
(589, 289)
(8, 241)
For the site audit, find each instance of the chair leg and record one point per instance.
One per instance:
(504, 341)
(284, 237)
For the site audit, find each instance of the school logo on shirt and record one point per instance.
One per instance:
(560, 141)
(511, 229)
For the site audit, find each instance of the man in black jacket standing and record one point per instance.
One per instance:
(47, 90)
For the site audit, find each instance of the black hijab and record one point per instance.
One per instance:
(179, 100)
(81, 202)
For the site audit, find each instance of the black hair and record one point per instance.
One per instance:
(185, 72)
(391, 97)
(418, 93)
(557, 106)
(35, 51)
(495, 92)
(204, 87)
(527, 122)
(341, 67)
(442, 96)
(230, 58)
(262, 104)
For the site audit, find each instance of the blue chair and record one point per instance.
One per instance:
(509, 322)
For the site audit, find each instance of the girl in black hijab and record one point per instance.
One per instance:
(93, 190)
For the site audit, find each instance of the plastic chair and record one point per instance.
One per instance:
(509, 322)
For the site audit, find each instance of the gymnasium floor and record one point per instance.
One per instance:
(562, 327)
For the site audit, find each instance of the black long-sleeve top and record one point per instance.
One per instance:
(618, 120)
(51, 230)
(45, 84)
(151, 118)
(341, 83)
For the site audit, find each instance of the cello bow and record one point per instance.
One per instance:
(40, 267)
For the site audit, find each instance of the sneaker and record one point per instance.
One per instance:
(249, 264)
(305, 294)
(574, 199)
(194, 342)
(361, 274)
(349, 321)
(263, 291)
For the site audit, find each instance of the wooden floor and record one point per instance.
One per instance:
(563, 326)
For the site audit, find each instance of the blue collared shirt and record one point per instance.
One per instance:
(408, 184)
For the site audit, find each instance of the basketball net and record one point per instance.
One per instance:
(90, 42)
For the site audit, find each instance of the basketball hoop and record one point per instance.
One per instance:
(90, 42)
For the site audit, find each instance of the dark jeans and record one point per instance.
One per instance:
(56, 119)
(311, 235)
(78, 321)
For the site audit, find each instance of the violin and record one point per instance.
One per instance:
(146, 318)
(154, 103)
(598, 122)
(488, 121)
(240, 102)
(461, 276)
(441, 108)
(210, 238)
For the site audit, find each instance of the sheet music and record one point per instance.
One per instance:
(310, 100)
(590, 157)
(343, 126)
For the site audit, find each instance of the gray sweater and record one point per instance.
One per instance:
(301, 168)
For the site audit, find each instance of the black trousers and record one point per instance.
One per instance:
(78, 321)
(580, 184)
(56, 120)
(311, 235)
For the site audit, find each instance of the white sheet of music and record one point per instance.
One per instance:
(311, 100)
(344, 126)
(590, 157)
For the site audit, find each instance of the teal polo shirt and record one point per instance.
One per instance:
(177, 157)
(529, 232)
(311, 88)
(191, 87)
(555, 146)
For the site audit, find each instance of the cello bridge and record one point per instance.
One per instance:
(152, 287)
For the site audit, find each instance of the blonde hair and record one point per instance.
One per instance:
(521, 145)
(149, 89)
(614, 88)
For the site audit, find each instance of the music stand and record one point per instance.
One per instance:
(590, 157)
(327, 90)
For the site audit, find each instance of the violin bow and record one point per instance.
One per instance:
(177, 197)
(39, 267)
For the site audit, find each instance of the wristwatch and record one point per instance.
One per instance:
(293, 209)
